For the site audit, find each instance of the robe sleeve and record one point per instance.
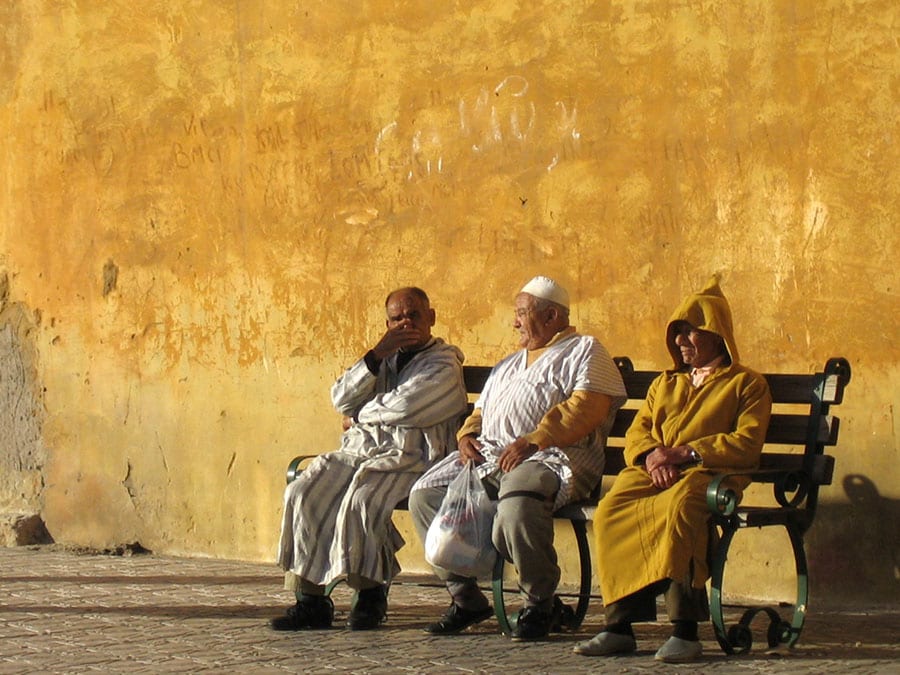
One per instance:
(573, 419)
(640, 439)
(431, 391)
(353, 388)
(471, 426)
(741, 447)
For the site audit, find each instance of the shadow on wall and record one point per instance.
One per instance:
(853, 548)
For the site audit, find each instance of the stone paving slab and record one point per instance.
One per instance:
(65, 612)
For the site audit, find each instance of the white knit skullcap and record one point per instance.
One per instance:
(546, 288)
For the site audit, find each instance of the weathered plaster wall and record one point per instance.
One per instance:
(22, 454)
(205, 204)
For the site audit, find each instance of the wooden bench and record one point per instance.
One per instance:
(793, 462)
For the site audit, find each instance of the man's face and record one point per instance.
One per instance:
(698, 347)
(407, 311)
(534, 326)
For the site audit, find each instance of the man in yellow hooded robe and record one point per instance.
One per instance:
(707, 415)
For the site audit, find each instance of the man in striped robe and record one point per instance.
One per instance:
(402, 403)
(537, 436)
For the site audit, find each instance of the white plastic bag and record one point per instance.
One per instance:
(459, 537)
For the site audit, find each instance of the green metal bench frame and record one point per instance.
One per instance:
(796, 478)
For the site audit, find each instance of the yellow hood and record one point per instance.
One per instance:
(708, 310)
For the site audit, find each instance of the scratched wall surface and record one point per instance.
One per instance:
(205, 204)
(22, 455)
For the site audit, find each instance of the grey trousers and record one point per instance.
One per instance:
(522, 532)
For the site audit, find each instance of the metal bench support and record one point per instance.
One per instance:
(573, 622)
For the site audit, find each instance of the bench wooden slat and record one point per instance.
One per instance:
(791, 388)
(615, 460)
(475, 377)
(784, 428)
(785, 388)
(623, 420)
(822, 466)
(638, 382)
(822, 471)
(759, 516)
(792, 429)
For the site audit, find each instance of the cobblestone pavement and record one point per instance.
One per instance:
(65, 612)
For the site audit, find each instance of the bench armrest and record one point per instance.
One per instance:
(790, 489)
(296, 466)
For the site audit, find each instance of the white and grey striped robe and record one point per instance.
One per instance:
(337, 513)
(515, 398)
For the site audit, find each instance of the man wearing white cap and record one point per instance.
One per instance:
(537, 435)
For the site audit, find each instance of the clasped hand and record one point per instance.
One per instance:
(664, 464)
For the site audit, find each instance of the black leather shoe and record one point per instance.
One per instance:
(456, 619)
(369, 609)
(563, 616)
(533, 624)
(313, 611)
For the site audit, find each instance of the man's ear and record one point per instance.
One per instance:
(431, 316)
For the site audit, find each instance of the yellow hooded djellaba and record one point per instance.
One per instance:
(646, 534)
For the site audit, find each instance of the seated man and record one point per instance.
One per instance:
(537, 435)
(708, 415)
(402, 404)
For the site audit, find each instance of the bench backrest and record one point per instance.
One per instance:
(800, 429)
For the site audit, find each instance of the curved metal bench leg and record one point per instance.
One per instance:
(738, 638)
(715, 599)
(579, 527)
(506, 622)
(790, 633)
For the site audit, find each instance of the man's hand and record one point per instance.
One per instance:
(665, 476)
(663, 456)
(470, 448)
(346, 422)
(664, 464)
(395, 339)
(515, 453)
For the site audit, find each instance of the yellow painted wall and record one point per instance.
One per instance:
(203, 205)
